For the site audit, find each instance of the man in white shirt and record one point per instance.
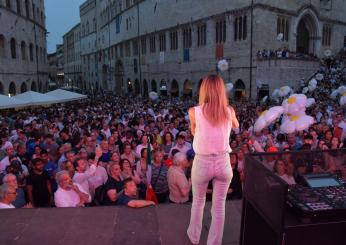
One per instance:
(69, 194)
(83, 173)
(8, 195)
(6, 160)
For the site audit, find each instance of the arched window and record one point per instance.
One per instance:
(23, 87)
(13, 48)
(19, 7)
(1, 88)
(31, 52)
(8, 4)
(12, 89)
(27, 10)
(23, 50)
(153, 86)
(33, 86)
(2, 46)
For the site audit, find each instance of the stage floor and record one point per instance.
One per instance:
(163, 224)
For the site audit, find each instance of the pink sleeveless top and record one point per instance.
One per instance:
(209, 139)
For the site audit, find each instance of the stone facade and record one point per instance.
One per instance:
(168, 46)
(23, 56)
(72, 58)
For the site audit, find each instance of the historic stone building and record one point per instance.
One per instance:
(133, 46)
(23, 58)
(72, 58)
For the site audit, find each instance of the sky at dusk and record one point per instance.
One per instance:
(61, 16)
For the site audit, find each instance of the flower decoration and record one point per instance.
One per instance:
(310, 102)
(275, 93)
(259, 83)
(294, 104)
(284, 91)
(312, 85)
(229, 87)
(267, 117)
(222, 65)
(334, 94)
(299, 122)
(342, 90)
(319, 76)
(343, 99)
(305, 90)
(153, 95)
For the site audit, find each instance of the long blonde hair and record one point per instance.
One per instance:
(213, 99)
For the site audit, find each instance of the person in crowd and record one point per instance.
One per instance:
(211, 123)
(167, 143)
(83, 173)
(11, 180)
(7, 196)
(235, 188)
(114, 185)
(144, 141)
(68, 166)
(280, 170)
(179, 185)
(181, 145)
(6, 160)
(106, 153)
(39, 185)
(129, 196)
(159, 177)
(129, 154)
(143, 169)
(128, 172)
(69, 194)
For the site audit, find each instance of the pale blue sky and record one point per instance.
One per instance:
(61, 16)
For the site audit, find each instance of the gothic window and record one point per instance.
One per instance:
(187, 40)
(162, 39)
(220, 30)
(201, 35)
(13, 48)
(283, 27)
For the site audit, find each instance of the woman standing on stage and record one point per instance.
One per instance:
(211, 123)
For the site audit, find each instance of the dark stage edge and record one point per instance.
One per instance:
(164, 224)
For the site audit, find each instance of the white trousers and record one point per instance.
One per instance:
(219, 170)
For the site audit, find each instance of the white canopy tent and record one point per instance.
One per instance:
(34, 98)
(65, 96)
(8, 103)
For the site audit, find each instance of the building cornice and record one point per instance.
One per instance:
(24, 17)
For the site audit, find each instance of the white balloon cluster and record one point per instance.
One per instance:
(341, 91)
(312, 85)
(282, 92)
(153, 95)
(222, 65)
(319, 76)
(293, 109)
(229, 87)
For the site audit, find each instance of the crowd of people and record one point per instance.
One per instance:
(95, 152)
(283, 53)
